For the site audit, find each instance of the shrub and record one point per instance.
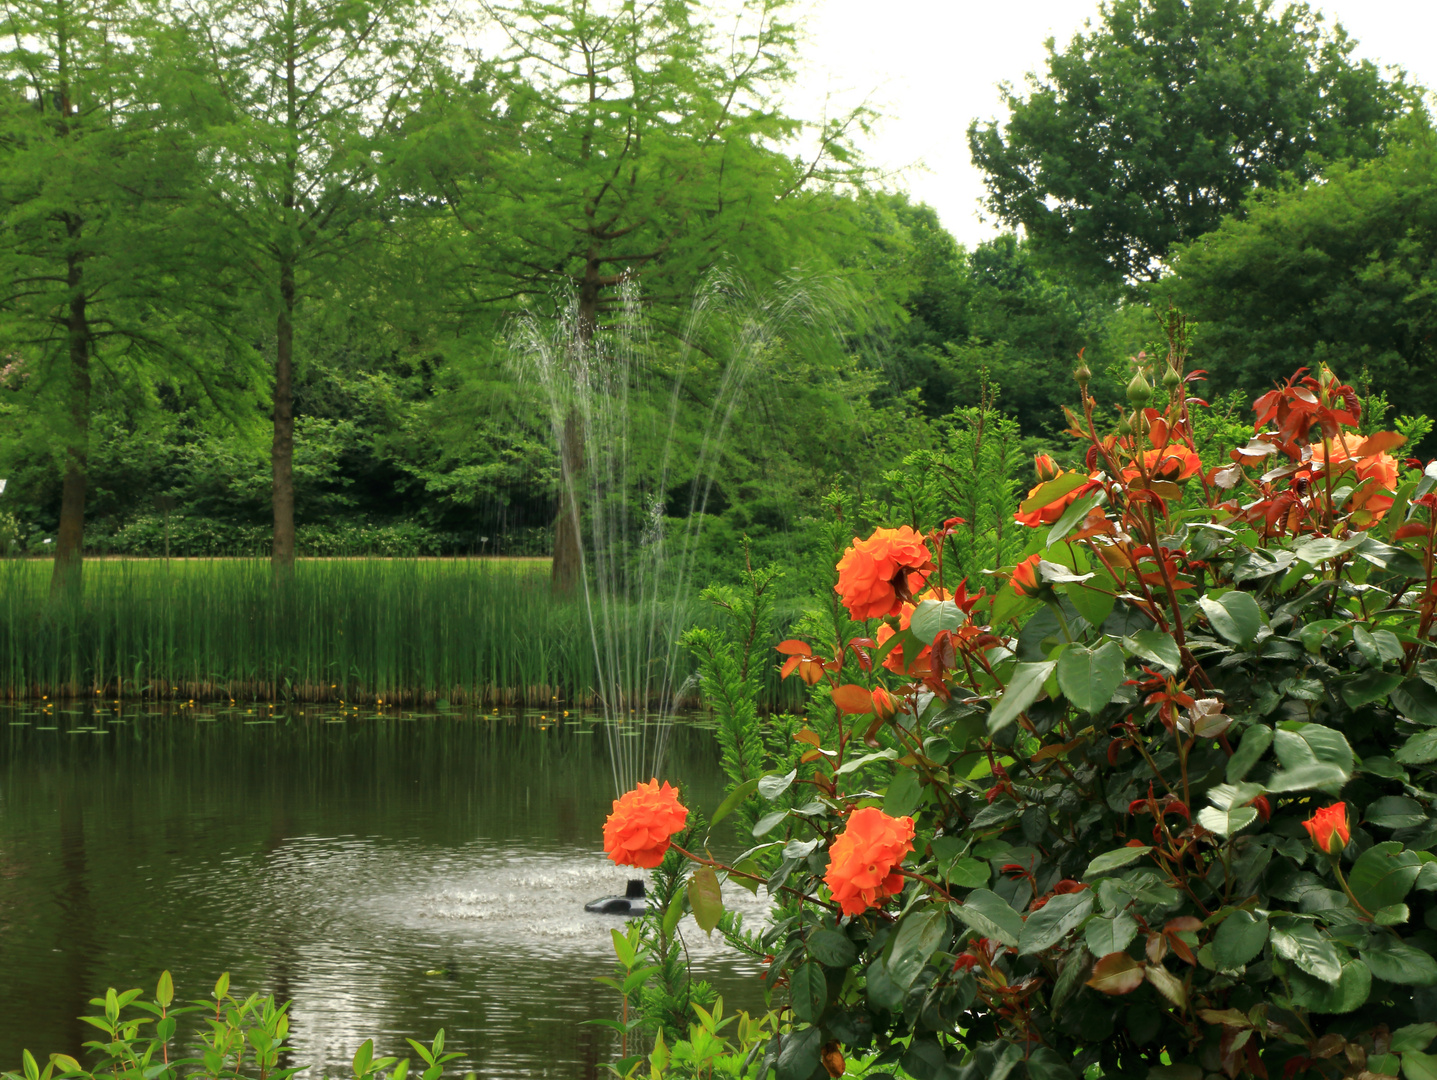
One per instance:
(1169, 777)
(231, 1038)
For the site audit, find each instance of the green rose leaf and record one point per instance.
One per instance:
(1053, 921)
(832, 949)
(1088, 677)
(774, 785)
(919, 936)
(1234, 615)
(705, 898)
(969, 874)
(1418, 750)
(1349, 991)
(934, 616)
(1239, 940)
(1255, 741)
(1419, 1066)
(1113, 860)
(1110, 935)
(809, 991)
(799, 1056)
(1395, 812)
(1397, 962)
(990, 916)
(1304, 945)
(1383, 875)
(1157, 648)
(1022, 690)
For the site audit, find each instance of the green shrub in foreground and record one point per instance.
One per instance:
(1171, 786)
(238, 1040)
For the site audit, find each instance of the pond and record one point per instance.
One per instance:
(388, 873)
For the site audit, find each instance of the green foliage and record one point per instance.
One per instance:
(227, 1037)
(1152, 126)
(1111, 874)
(1332, 272)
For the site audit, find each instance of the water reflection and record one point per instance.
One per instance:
(390, 874)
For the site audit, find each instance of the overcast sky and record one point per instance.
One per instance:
(930, 66)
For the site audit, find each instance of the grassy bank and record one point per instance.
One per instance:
(467, 631)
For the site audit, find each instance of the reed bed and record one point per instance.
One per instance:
(417, 631)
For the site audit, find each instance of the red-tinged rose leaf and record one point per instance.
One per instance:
(789, 665)
(810, 671)
(862, 643)
(1409, 530)
(1183, 924)
(1378, 442)
(1117, 973)
(851, 698)
(794, 647)
(810, 755)
(806, 735)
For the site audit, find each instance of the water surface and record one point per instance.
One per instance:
(389, 874)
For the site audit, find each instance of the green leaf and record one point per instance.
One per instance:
(808, 989)
(1413, 1037)
(1392, 959)
(774, 785)
(736, 796)
(919, 936)
(799, 1057)
(1053, 921)
(990, 916)
(1348, 992)
(1369, 687)
(1157, 648)
(673, 913)
(1073, 972)
(1110, 934)
(969, 874)
(1072, 517)
(1235, 615)
(1418, 750)
(1022, 690)
(768, 823)
(1088, 677)
(1094, 600)
(165, 991)
(1383, 875)
(1416, 700)
(856, 763)
(904, 793)
(1419, 1066)
(1045, 1063)
(705, 898)
(1226, 822)
(1052, 491)
(1239, 940)
(1255, 741)
(832, 949)
(1113, 860)
(1395, 812)
(931, 617)
(1304, 945)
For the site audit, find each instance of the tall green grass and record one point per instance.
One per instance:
(420, 631)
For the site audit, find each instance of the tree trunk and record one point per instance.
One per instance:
(282, 452)
(69, 542)
(568, 563)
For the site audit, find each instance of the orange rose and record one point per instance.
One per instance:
(1025, 576)
(1175, 463)
(637, 832)
(1046, 468)
(1376, 477)
(1328, 828)
(875, 576)
(864, 860)
(1051, 511)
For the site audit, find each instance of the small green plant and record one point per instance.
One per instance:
(237, 1040)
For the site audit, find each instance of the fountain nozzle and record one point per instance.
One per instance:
(631, 903)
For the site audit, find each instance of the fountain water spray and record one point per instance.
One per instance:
(614, 399)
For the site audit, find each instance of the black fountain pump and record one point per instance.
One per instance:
(631, 903)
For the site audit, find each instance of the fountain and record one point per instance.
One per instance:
(614, 400)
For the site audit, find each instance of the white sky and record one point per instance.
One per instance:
(930, 66)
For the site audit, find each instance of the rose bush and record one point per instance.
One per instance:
(1170, 783)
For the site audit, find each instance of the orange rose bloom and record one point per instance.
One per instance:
(1328, 828)
(1046, 468)
(1376, 475)
(863, 861)
(637, 832)
(1025, 576)
(1175, 463)
(875, 576)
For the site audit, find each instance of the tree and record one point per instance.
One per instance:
(1148, 130)
(93, 254)
(630, 142)
(305, 94)
(1336, 271)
